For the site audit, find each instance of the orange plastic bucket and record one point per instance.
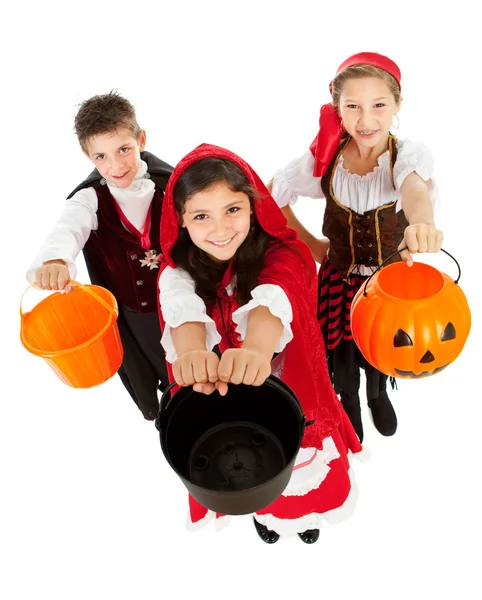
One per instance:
(410, 322)
(76, 334)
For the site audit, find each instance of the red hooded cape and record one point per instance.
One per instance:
(289, 265)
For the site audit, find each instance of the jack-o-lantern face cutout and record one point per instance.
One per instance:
(412, 323)
(403, 339)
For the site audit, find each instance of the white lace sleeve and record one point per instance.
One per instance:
(296, 179)
(274, 298)
(414, 157)
(70, 232)
(180, 304)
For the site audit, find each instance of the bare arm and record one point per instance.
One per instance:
(263, 331)
(416, 202)
(421, 235)
(318, 247)
(189, 337)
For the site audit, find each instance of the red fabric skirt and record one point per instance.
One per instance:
(330, 494)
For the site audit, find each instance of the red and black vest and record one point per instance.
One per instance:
(117, 256)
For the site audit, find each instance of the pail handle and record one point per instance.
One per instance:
(166, 397)
(83, 287)
(397, 252)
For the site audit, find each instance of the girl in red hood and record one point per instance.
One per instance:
(234, 275)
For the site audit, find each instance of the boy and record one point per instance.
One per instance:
(114, 217)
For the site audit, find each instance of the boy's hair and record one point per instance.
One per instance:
(104, 114)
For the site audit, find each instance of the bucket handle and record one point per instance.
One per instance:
(166, 397)
(397, 252)
(83, 287)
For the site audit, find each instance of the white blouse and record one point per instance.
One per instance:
(79, 218)
(180, 304)
(361, 193)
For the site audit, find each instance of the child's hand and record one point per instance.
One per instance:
(420, 237)
(53, 275)
(199, 368)
(240, 365)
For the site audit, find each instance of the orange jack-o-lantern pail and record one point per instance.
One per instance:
(410, 322)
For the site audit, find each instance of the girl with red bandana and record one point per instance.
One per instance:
(380, 197)
(234, 275)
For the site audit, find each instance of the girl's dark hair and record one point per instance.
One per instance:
(249, 258)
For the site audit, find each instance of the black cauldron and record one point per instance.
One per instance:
(234, 453)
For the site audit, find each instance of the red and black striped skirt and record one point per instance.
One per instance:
(334, 303)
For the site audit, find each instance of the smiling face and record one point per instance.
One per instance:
(218, 220)
(367, 106)
(116, 155)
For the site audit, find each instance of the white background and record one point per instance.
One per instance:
(89, 509)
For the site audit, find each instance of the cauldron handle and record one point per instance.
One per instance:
(402, 250)
(163, 404)
(166, 397)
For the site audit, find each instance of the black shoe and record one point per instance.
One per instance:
(351, 404)
(310, 536)
(383, 414)
(267, 535)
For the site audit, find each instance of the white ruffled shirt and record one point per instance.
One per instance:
(360, 193)
(180, 304)
(79, 218)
